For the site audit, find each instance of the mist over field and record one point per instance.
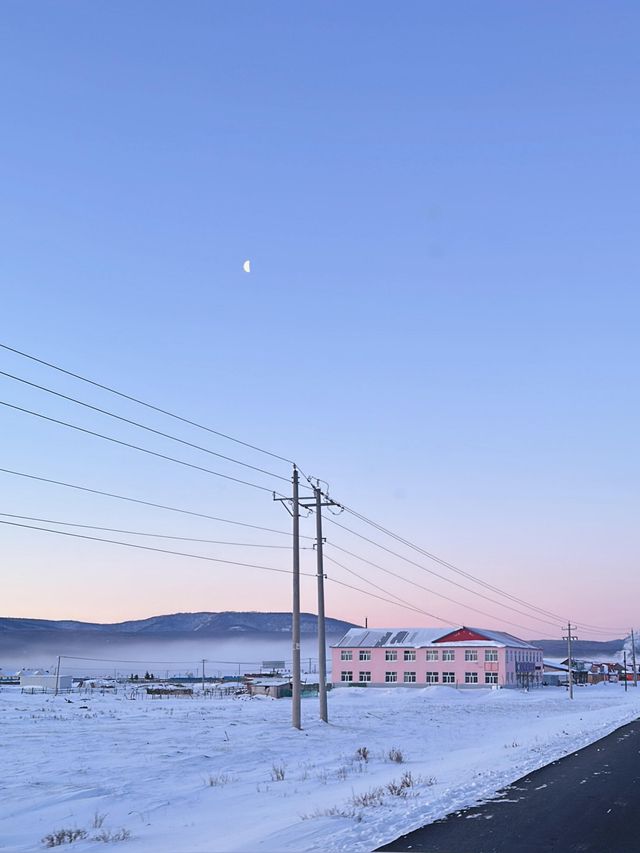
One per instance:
(164, 657)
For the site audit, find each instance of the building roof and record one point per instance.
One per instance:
(420, 637)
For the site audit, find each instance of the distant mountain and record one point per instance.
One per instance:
(585, 649)
(178, 625)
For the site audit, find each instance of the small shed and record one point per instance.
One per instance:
(555, 674)
(40, 679)
(277, 688)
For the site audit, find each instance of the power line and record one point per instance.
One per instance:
(146, 503)
(142, 533)
(387, 592)
(143, 426)
(136, 447)
(155, 550)
(172, 662)
(448, 565)
(143, 403)
(386, 600)
(419, 566)
(440, 594)
(468, 575)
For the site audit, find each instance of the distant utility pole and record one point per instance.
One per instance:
(316, 503)
(203, 662)
(626, 683)
(633, 659)
(57, 676)
(296, 715)
(569, 638)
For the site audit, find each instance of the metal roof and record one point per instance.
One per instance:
(419, 637)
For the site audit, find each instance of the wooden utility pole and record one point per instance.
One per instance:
(322, 647)
(633, 659)
(569, 638)
(316, 503)
(57, 676)
(203, 662)
(296, 716)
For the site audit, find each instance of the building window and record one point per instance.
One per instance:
(391, 677)
(432, 677)
(391, 655)
(491, 678)
(491, 654)
(432, 654)
(470, 654)
(410, 654)
(409, 677)
(448, 654)
(346, 676)
(448, 678)
(365, 676)
(365, 654)
(471, 678)
(346, 655)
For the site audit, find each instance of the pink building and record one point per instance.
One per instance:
(418, 657)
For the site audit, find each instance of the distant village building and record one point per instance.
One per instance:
(419, 657)
(44, 680)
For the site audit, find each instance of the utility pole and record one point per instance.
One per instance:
(316, 503)
(296, 714)
(57, 676)
(569, 638)
(203, 661)
(296, 721)
(322, 648)
(633, 659)
(626, 683)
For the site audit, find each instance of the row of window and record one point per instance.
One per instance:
(431, 654)
(517, 655)
(411, 677)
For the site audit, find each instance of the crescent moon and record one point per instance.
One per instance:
(246, 266)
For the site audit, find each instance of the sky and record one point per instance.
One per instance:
(439, 203)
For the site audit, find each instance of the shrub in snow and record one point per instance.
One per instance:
(362, 753)
(395, 755)
(63, 836)
(372, 797)
(108, 835)
(277, 772)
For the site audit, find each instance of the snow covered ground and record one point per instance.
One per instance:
(230, 774)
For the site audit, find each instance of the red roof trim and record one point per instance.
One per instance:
(461, 635)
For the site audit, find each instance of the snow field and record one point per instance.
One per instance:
(230, 774)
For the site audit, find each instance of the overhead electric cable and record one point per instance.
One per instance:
(446, 597)
(155, 550)
(173, 662)
(386, 600)
(148, 503)
(468, 575)
(557, 619)
(442, 595)
(144, 426)
(387, 592)
(143, 403)
(136, 447)
(143, 533)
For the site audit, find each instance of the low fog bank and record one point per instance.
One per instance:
(164, 657)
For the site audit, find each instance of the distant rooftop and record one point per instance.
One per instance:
(422, 637)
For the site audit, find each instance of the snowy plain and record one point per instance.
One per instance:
(201, 775)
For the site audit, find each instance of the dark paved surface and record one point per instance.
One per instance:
(588, 802)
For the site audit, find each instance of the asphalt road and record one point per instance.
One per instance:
(588, 802)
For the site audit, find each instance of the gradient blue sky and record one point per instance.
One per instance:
(440, 202)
